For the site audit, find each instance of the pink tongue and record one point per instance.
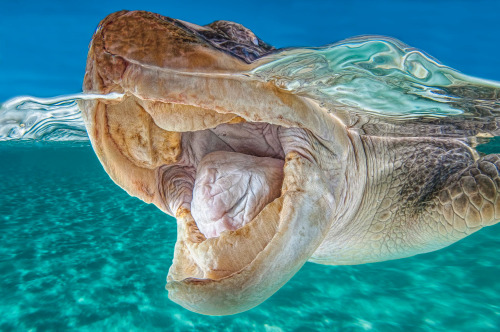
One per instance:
(232, 188)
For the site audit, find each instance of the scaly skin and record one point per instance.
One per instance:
(348, 195)
(421, 195)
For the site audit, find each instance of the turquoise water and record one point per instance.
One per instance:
(79, 253)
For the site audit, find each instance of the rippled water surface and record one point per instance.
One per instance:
(79, 253)
(376, 85)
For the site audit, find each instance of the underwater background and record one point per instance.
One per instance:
(76, 252)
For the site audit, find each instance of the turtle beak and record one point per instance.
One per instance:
(176, 84)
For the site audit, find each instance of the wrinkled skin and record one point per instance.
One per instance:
(272, 178)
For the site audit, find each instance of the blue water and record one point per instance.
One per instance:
(76, 252)
(43, 44)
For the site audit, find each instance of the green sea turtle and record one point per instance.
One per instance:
(261, 179)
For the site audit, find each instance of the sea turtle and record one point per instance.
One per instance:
(260, 179)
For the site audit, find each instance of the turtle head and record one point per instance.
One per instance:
(249, 170)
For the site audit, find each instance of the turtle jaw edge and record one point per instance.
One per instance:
(196, 88)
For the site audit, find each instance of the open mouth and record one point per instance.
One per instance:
(226, 193)
(247, 218)
(234, 161)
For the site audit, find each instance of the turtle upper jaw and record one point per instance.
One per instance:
(173, 70)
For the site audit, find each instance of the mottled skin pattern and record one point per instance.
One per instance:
(419, 197)
(349, 196)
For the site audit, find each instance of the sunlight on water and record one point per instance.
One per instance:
(380, 86)
(376, 75)
(45, 119)
(377, 85)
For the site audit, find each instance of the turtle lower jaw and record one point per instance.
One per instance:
(239, 269)
(262, 256)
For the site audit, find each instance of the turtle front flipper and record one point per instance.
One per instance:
(471, 199)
